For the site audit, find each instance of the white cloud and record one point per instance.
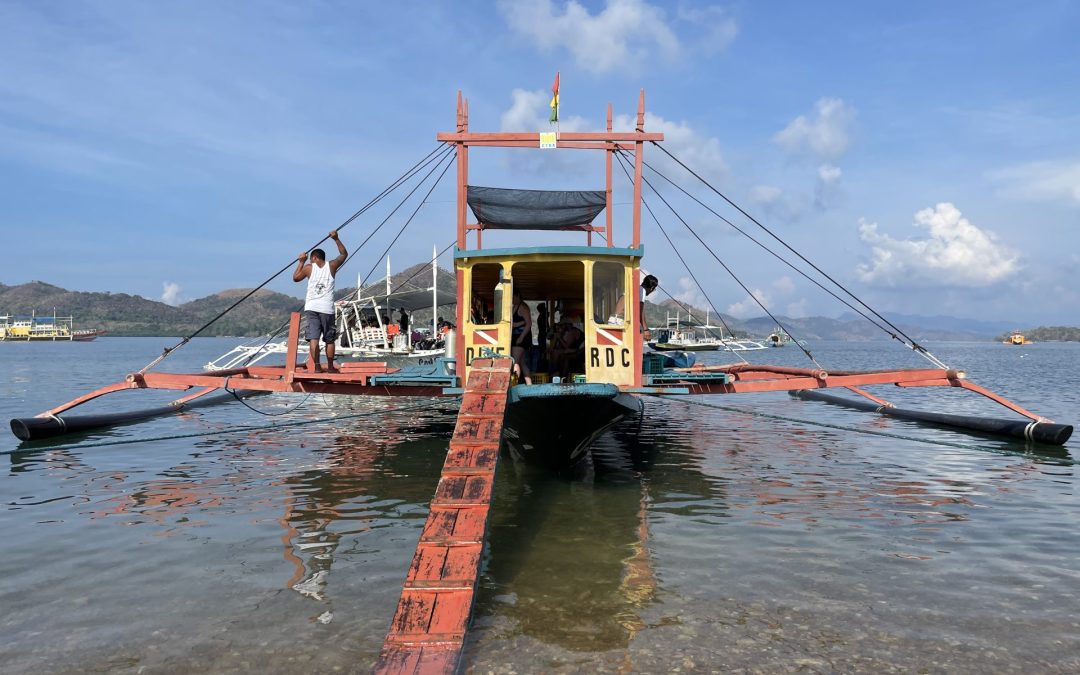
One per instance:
(531, 110)
(781, 287)
(784, 285)
(827, 187)
(796, 309)
(1042, 181)
(171, 293)
(623, 35)
(688, 293)
(701, 154)
(956, 253)
(776, 203)
(720, 29)
(829, 174)
(747, 308)
(825, 135)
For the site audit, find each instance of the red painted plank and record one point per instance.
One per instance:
(433, 613)
(428, 563)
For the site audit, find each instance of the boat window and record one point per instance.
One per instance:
(609, 306)
(483, 308)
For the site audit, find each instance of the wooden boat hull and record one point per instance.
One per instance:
(553, 425)
(670, 347)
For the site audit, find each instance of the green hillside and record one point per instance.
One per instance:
(123, 314)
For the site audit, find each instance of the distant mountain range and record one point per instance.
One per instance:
(123, 314)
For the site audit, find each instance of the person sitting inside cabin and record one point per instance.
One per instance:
(521, 336)
(618, 315)
(319, 301)
(568, 350)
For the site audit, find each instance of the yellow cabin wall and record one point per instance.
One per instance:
(610, 350)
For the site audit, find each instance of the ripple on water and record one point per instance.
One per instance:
(706, 540)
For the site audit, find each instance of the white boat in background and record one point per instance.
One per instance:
(365, 331)
(689, 336)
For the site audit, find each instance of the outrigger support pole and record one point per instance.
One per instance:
(368, 377)
(806, 383)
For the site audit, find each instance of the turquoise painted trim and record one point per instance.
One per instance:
(658, 391)
(453, 391)
(589, 251)
(568, 390)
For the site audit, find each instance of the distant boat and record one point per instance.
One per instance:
(34, 328)
(688, 336)
(778, 338)
(1017, 338)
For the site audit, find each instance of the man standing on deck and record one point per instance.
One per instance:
(319, 302)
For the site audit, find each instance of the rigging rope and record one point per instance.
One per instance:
(914, 345)
(623, 161)
(410, 218)
(446, 151)
(727, 269)
(416, 167)
(925, 354)
(238, 397)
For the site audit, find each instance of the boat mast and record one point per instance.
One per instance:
(434, 292)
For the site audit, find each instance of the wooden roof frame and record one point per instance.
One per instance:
(609, 141)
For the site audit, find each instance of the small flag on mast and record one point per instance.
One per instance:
(555, 100)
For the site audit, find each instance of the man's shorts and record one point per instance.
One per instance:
(319, 324)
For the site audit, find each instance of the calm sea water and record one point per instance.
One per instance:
(698, 539)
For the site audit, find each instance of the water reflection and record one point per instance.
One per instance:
(570, 557)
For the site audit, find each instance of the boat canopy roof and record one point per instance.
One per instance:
(409, 299)
(513, 209)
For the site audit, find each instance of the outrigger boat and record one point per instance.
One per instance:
(688, 336)
(545, 422)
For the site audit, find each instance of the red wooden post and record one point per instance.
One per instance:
(294, 340)
(607, 165)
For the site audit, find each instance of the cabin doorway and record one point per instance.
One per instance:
(554, 292)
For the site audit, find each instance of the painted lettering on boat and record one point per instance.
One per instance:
(609, 357)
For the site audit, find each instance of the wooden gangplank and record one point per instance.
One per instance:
(428, 629)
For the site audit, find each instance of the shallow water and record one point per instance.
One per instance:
(699, 539)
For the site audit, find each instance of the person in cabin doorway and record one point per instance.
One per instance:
(319, 301)
(521, 336)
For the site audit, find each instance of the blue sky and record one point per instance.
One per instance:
(926, 154)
